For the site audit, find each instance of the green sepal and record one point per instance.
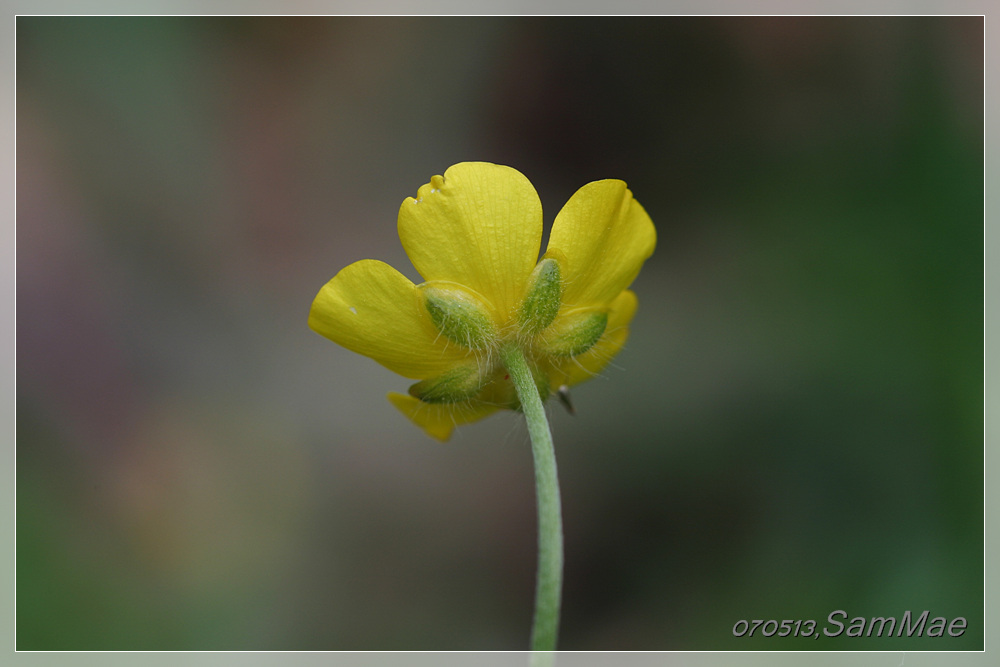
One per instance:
(541, 382)
(575, 333)
(544, 296)
(454, 386)
(459, 315)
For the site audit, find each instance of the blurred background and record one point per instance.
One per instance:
(795, 426)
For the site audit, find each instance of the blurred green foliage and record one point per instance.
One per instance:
(794, 428)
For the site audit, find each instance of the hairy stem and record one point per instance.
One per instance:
(550, 540)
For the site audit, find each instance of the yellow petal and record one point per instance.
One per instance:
(374, 310)
(593, 361)
(479, 225)
(600, 238)
(439, 419)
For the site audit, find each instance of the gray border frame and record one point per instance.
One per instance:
(991, 317)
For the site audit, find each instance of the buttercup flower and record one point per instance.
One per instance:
(474, 234)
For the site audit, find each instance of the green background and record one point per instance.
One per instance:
(795, 426)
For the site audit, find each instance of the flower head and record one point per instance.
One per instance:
(474, 234)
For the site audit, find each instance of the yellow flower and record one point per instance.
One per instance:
(474, 235)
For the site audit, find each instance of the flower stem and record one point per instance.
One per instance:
(550, 540)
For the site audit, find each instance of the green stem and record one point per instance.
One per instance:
(550, 540)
